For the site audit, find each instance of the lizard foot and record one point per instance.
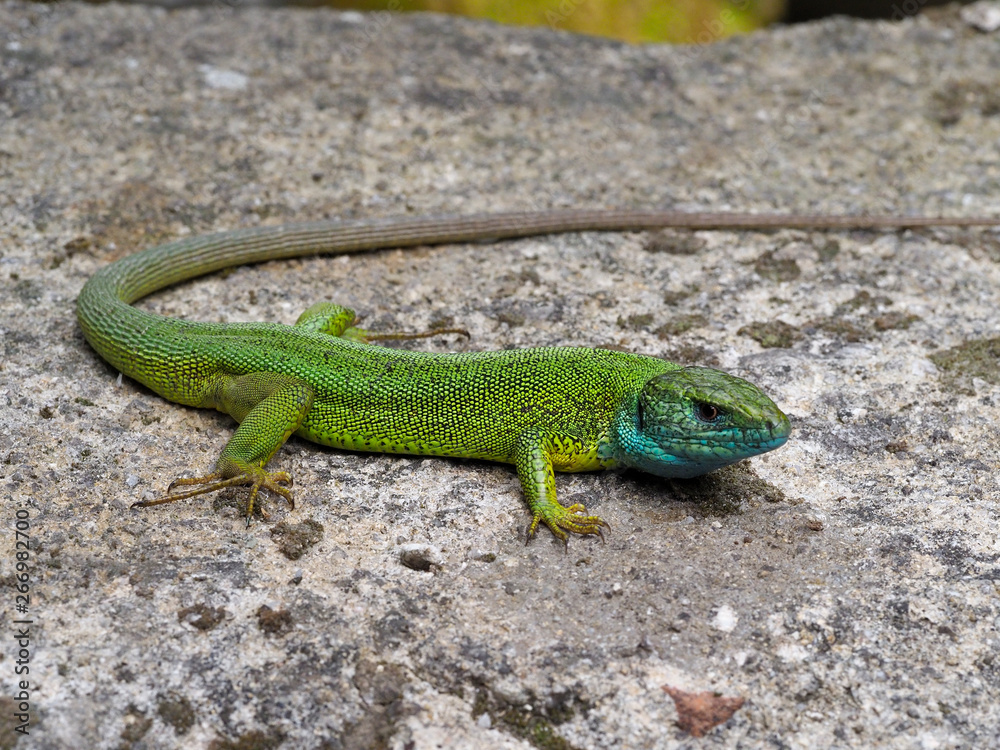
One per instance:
(254, 476)
(562, 519)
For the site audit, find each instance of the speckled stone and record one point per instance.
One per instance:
(846, 586)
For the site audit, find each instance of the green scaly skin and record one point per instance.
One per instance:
(543, 410)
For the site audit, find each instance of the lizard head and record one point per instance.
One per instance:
(692, 420)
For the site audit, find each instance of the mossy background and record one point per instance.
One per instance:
(676, 21)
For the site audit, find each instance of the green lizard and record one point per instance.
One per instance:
(543, 409)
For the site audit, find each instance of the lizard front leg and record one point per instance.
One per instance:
(533, 457)
(269, 407)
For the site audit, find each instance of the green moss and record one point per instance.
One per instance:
(636, 322)
(531, 723)
(894, 321)
(863, 317)
(841, 328)
(513, 320)
(862, 299)
(136, 725)
(774, 334)
(176, 711)
(829, 251)
(673, 243)
(253, 740)
(481, 704)
(691, 354)
(777, 269)
(680, 324)
(674, 298)
(978, 358)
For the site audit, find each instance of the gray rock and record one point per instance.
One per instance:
(846, 586)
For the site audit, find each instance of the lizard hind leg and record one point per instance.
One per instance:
(334, 320)
(270, 407)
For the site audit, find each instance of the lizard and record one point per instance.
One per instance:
(541, 409)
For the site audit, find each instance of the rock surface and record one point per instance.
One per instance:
(845, 587)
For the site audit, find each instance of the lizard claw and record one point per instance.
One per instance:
(568, 519)
(277, 482)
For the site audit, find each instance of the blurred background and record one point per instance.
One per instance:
(675, 21)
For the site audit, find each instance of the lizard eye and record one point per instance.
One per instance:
(640, 417)
(707, 412)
